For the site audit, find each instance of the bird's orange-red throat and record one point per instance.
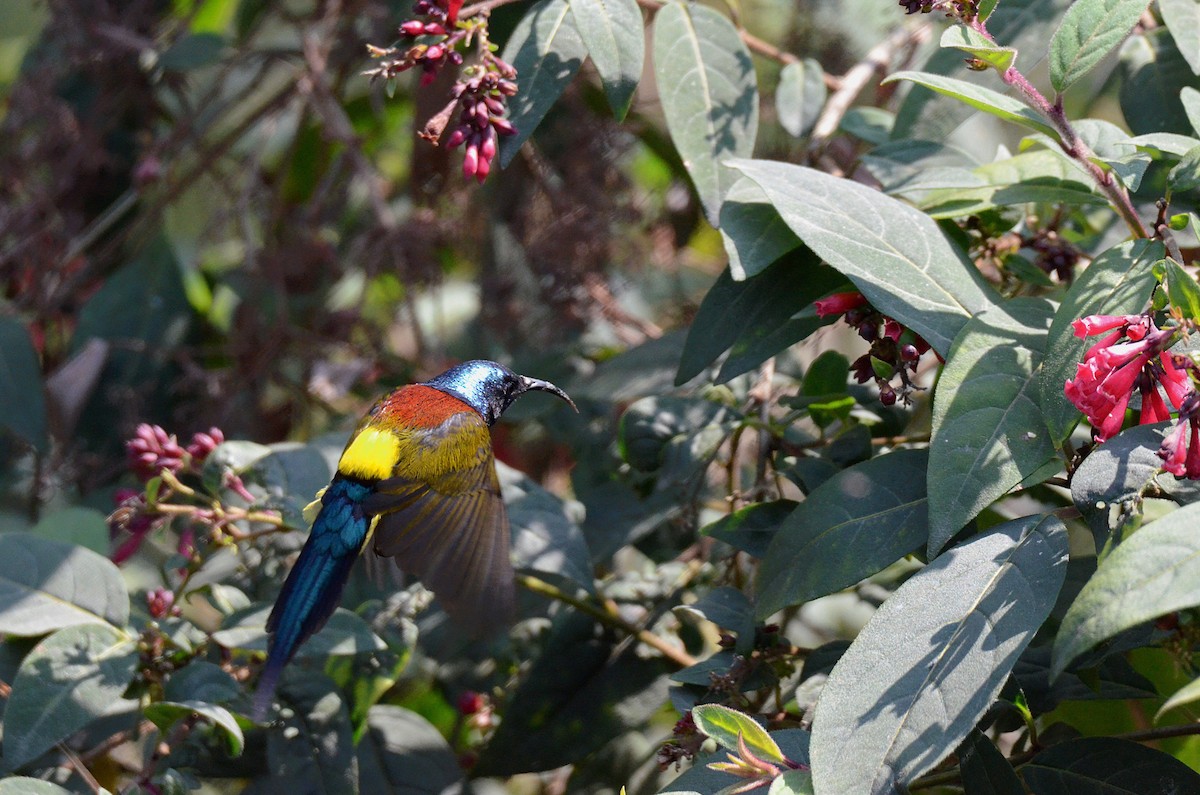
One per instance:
(416, 482)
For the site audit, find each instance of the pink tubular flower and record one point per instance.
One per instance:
(1104, 381)
(1180, 450)
(839, 303)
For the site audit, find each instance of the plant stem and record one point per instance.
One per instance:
(1074, 146)
(608, 618)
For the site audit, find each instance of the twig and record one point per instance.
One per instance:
(877, 60)
(538, 586)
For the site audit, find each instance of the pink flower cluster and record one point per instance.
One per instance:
(1180, 450)
(1132, 355)
(895, 350)
(479, 98)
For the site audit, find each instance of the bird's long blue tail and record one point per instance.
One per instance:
(314, 586)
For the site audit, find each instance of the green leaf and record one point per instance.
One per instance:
(314, 753)
(988, 434)
(1182, 290)
(726, 725)
(547, 51)
(792, 782)
(1186, 173)
(22, 396)
(751, 528)
(1155, 571)
(612, 31)
(67, 681)
(404, 753)
(1168, 144)
(984, 769)
(165, 714)
(1030, 177)
(799, 96)
(1188, 694)
(1110, 484)
(934, 656)
(977, 45)
(201, 681)
(563, 710)
(1153, 73)
(729, 609)
(345, 633)
(896, 255)
(1118, 282)
(47, 585)
(76, 525)
(999, 105)
(1107, 766)
(22, 785)
(770, 311)
(709, 95)
(546, 536)
(1190, 99)
(754, 235)
(1090, 30)
(1182, 18)
(851, 526)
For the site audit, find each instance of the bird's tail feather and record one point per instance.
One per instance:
(314, 586)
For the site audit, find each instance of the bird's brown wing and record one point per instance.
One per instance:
(447, 525)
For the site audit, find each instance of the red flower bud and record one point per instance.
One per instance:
(435, 52)
(413, 27)
(470, 160)
(839, 303)
(456, 137)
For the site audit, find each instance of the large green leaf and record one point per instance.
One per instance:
(545, 536)
(576, 697)
(1118, 282)
(999, 105)
(314, 752)
(851, 526)
(22, 397)
(896, 255)
(934, 656)
(76, 525)
(22, 785)
(47, 585)
(1153, 74)
(404, 753)
(1155, 571)
(67, 681)
(988, 433)
(612, 31)
(1182, 18)
(1089, 31)
(547, 51)
(709, 95)
(1036, 176)
(1108, 766)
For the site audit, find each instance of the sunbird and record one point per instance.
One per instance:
(417, 481)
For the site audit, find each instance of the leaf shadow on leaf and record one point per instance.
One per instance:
(724, 137)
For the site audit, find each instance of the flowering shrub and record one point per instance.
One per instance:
(904, 502)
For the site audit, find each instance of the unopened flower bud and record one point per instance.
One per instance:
(503, 126)
(507, 87)
(456, 137)
(413, 27)
(909, 353)
(484, 168)
(887, 395)
(487, 149)
(494, 105)
(434, 29)
(470, 160)
(435, 52)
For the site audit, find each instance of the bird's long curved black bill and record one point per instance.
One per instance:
(545, 386)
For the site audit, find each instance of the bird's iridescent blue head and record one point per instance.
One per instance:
(489, 387)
